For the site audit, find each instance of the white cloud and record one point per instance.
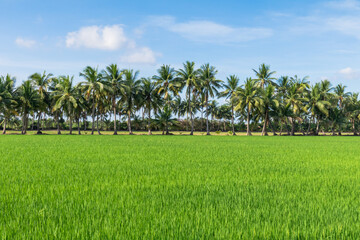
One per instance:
(96, 37)
(349, 25)
(347, 70)
(208, 31)
(27, 43)
(348, 74)
(140, 55)
(112, 38)
(345, 5)
(330, 18)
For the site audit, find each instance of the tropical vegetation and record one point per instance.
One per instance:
(187, 99)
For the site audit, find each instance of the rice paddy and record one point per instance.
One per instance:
(182, 187)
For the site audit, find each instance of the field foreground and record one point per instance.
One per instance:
(184, 187)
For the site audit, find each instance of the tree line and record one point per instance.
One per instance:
(183, 99)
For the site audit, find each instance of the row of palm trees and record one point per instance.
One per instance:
(285, 104)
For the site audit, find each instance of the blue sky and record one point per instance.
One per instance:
(320, 39)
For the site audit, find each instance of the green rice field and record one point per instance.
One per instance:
(179, 187)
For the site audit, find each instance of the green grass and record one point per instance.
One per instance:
(182, 187)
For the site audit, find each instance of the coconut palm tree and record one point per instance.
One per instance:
(188, 76)
(113, 76)
(58, 113)
(65, 97)
(94, 89)
(7, 88)
(151, 99)
(296, 100)
(268, 102)
(164, 119)
(41, 82)
(264, 75)
(316, 105)
(28, 99)
(130, 93)
(247, 97)
(352, 109)
(230, 87)
(340, 94)
(209, 85)
(167, 83)
(82, 106)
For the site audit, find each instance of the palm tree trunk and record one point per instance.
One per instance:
(58, 124)
(281, 127)
(248, 133)
(232, 119)
(202, 118)
(97, 123)
(78, 122)
(70, 125)
(24, 123)
(207, 115)
(93, 117)
(308, 130)
(317, 127)
(166, 123)
(4, 126)
(292, 126)
(33, 122)
(353, 127)
(129, 123)
(39, 124)
(264, 132)
(149, 117)
(84, 121)
(114, 109)
(190, 111)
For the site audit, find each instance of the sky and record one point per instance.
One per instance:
(319, 39)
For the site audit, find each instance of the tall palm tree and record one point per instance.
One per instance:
(317, 105)
(210, 86)
(268, 101)
(230, 87)
(7, 88)
(65, 95)
(58, 113)
(130, 93)
(352, 109)
(41, 82)
(247, 97)
(264, 75)
(295, 99)
(167, 82)
(113, 77)
(82, 106)
(189, 78)
(94, 88)
(341, 94)
(151, 99)
(28, 99)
